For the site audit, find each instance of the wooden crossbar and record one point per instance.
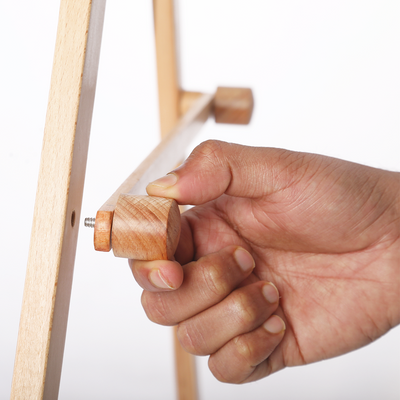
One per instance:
(161, 160)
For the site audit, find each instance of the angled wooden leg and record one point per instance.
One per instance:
(169, 108)
(51, 259)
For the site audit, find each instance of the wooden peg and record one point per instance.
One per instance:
(233, 105)
(144, 228)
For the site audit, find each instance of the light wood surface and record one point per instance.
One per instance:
(186, 372)
(49, 273)
(159, 162)
(233, 105)
(186, 101)
(102, 227)
(145, 228)
(169, 110)
(167, 71)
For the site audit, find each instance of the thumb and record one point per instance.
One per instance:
(215, 168)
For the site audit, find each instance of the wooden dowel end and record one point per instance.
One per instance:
(233, 105)
(145, 228)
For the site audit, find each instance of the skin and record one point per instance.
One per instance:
(323, 232)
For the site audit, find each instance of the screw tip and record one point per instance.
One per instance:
(89, 222)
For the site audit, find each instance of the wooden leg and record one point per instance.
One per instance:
(169, 107)
(47, 291)
(167, 72)
(185, 372)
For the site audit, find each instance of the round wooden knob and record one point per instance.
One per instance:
(145, 228)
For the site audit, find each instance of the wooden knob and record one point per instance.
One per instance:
(233, 105)
(145, 228)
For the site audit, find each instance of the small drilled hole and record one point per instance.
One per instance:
(73, 218)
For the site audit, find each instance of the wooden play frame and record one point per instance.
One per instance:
(47, 291)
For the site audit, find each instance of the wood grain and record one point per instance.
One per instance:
(145, 228)
(159, 162)
(186, 372)
(169, 109)
(233, 105)
(49, 273)
(167, 71)
(102, 228)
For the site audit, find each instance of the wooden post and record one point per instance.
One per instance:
(167, 72)
(169, 108)
(51, 259)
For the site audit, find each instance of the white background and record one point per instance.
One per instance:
(326, 78)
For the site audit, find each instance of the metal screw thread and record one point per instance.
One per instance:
(89, 222)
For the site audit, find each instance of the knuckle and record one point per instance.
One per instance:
(210, 154)
(245, 310)
(245, 351)
(191, 339)
(156, 308)
(210, 149)
(214, 281)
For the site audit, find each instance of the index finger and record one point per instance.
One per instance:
(207, 281)
(157, 276)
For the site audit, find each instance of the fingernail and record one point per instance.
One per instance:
(156, 278)
(270, 293)
(166, 181)
(244, 259)
(274, 325)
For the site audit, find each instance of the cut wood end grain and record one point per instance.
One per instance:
(145, 228)
(233, 105)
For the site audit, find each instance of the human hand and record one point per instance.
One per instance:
(326, 232)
